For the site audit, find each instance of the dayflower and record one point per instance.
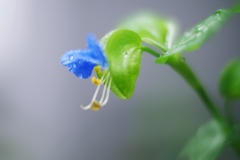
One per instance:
(82, 63)
(116, 61)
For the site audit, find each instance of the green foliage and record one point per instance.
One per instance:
(123, 50)
(209, 140)
(152, 29)
(236, 7)
(213, 136)
(195, 38)
(229, 81)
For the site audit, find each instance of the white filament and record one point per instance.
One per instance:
(104, 89)
(94, 96)
(105, 94)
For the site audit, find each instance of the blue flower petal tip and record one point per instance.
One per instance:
(97, 52)
(82, 62)
(68, 58)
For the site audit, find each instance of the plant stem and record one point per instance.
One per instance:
(180, 66)
(149, 50)
(236, 141)
(156, 44)
(236, 146)
(184, 70)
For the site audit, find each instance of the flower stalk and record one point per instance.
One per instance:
(181, 67)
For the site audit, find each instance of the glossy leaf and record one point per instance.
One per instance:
(152, 29)
(209, 140)
(195, 38)
(229, 81)
(123, 51)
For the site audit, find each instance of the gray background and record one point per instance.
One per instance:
(40, 118)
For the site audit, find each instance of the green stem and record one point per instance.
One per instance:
(184, 70)
(236, 146)
(149, 50)
(236, 140)
(156, 44)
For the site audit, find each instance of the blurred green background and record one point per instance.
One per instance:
(40, 117)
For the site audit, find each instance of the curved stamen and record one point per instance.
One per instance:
(107, 96)
(94, 104)
(93, 99)
(105, 87)
(94, 96)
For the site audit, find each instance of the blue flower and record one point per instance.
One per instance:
(82, 62)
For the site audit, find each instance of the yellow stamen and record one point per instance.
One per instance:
(96, 81)
(95, 106)
(97, 69)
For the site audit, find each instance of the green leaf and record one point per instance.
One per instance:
(123, 52)
(198, 35)
(152, 29)
(209, 140)
(229, 81)
(236, 7)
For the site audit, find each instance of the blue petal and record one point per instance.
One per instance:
(96, 50)
(81, 69)
(79, 63)
(82, 62)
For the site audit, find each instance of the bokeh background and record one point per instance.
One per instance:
(40, 118)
